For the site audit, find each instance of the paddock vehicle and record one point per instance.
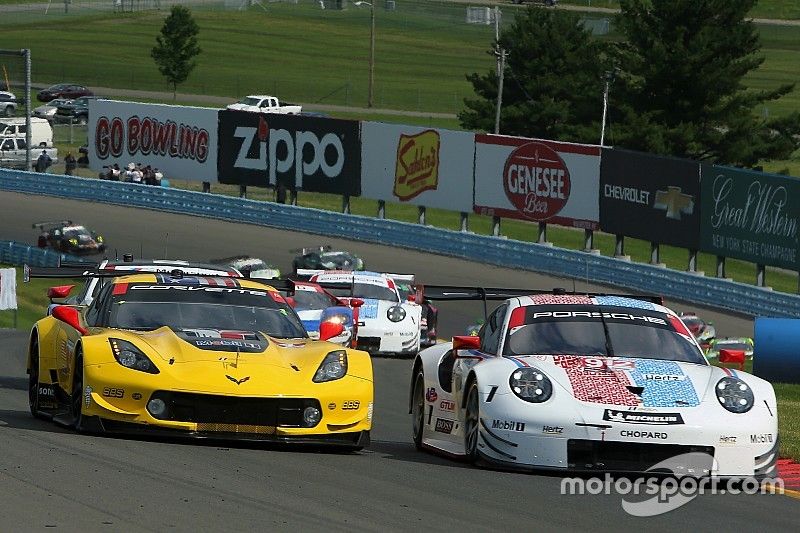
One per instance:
(588, 382)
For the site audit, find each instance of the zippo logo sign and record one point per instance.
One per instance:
(537, 180)
(308, 153)
(419, 166)
(178, 140)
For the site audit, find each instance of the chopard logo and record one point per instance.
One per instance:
(237, 381)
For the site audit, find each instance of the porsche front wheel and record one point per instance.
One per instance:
(418, 409)
(471, 423)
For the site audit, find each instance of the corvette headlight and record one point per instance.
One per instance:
(395, 313)
(73, 241)
(131, 357)
(333, 367)
(531, 385)
(734, 394)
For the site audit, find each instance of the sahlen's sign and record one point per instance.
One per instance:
(750, 215)
(650, 197)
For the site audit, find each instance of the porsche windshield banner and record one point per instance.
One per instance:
(537, 180)
(308, 153)
(415, 165)
(750, 215)
(650, 197)
(180, 141)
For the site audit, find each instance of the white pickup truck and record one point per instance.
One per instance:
(261, 103)
(12, 153)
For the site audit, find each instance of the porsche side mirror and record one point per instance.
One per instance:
(71, 316)
(466, 342)
(356, 302)
(61, 291)
(412, 298)
(329, 330)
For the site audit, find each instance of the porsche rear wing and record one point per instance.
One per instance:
(53, 224)
(485, 294)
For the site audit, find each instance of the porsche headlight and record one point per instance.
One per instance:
(531, 385)
(99, 238)
(359, 263)
(734, 394)
(333, 367)
(131, 357)
(396, 313)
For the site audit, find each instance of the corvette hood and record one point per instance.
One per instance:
(242, 349)
(620, 381)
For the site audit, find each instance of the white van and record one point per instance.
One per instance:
(14, 128)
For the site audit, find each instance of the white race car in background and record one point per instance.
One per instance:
(387, 325)
(257, 268)
(591, 382)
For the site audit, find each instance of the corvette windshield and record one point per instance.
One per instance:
(367, 291)
(607, 331)
(147, 307)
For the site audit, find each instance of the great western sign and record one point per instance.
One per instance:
(750, 215)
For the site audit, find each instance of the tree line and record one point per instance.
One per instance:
(676, 73)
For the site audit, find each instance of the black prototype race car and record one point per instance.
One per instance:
(64, 236)
(325, 258)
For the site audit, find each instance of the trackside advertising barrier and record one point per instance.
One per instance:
(650, 197)
(750, 215)
(300, 152)
(537, 180)
(419, 166)
(178, 140)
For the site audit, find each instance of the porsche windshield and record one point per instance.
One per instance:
(594, 330)
(306, 300)
(148, 306)
(367, 291)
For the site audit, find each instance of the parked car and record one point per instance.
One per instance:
(76, 112)
(48, 111)
(14, 128)
(63, 90)
(13, 154)
(8, 103)
(262, 103)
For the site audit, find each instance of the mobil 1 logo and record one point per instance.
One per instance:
(299, 152)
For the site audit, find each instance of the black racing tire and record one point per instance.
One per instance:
(418, 409)
(76, 397)
(33, 379)
(472, 417)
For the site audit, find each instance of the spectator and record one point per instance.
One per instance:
(43, 161)
(71, 164)
(115, 172)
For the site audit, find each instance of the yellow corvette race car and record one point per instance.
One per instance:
(212, 357)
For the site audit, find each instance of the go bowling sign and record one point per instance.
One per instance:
(537, 180)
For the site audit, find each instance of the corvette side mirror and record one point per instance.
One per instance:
(60, 291)
(329, 330)
(71, 316)
(466, 342)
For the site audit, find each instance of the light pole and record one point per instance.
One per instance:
(371, 91)
(610, 75)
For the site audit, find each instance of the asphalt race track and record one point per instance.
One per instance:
(54, 478)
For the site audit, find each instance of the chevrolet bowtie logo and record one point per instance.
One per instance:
(674, 202)
(237, 381)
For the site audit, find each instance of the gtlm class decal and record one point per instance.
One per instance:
(279, 151)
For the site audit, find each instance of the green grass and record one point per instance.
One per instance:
(770, 9)
(789, 419)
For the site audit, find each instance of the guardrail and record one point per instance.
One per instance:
(689, 287)
(15, 253)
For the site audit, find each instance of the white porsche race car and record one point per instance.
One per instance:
(387, 325)
(590, 382)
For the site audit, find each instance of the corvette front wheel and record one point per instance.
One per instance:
(76, 399)
(471, 423)
(418, 409)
